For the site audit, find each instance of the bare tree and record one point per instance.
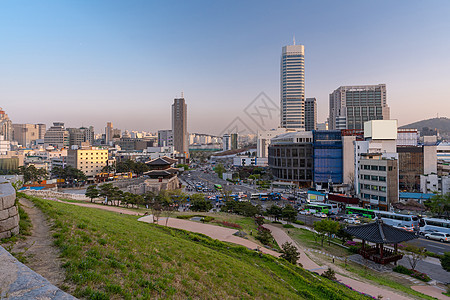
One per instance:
(351, 182)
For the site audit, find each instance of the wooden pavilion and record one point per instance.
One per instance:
(380, 234)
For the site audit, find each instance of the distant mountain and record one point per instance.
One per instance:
(430, 126)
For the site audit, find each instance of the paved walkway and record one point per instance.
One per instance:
(216, 232)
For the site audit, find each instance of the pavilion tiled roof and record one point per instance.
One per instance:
(380, 233)
(161, 161)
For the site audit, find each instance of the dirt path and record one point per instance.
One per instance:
(38, 250)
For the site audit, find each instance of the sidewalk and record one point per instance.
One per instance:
(216, 232)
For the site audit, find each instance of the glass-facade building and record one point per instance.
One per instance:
(292, 85)
(327, 145)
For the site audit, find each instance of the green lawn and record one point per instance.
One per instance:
(110, 255)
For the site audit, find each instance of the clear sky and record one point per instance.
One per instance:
(86, 62)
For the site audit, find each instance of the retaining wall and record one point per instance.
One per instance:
(54, 194)
(17, 282)
(9, 214)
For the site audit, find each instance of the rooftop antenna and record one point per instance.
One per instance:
(294, 39)
(182, 94)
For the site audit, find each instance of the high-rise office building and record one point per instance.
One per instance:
(292, 85)
(310, 114)
(24, 134)
(77, 136)
(179, 125)
(234, 141)
(108, 132)
(57, 136)
(351, 106)
(5, 126)
(165, 138)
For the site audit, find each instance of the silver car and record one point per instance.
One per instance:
(439, 236)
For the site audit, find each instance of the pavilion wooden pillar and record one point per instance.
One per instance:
(381, 251)
(363, 245)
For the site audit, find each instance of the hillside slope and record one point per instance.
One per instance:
(428, 126)
(108, 255)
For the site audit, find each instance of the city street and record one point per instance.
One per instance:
(432, 246)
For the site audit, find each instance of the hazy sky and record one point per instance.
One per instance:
(86, 62)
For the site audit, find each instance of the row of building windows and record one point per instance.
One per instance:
(373, 178)
(373, 168)
(370, 187)
(373, 197)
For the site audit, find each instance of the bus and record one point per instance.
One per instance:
(399, 220)
(364, 212)
(439, 225)
(263, 197)
(315, 208)
(218, 187)
(254, 197)
(332, 208)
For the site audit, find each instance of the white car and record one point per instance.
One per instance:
(320, 215)
(439, 236)
(304, 212)
(352, 221)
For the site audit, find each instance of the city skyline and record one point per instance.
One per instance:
(89, 63)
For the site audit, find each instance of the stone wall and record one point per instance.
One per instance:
(48, 194)
(9, 215)
(17, 281)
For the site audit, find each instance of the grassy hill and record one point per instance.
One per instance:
(113, 256)
(427, 127)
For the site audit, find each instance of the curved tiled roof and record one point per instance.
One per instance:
(380, 233)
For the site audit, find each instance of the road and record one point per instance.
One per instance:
(432, 246)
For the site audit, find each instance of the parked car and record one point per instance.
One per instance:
(352, 221)
(423, 232)
(406, 227)
(439, 236)
(320, 215)
(304, 212)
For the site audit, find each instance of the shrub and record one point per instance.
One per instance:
(412, 273)
(353, 249)
(290, 253)
(298, 222)
(207, 219)
(402, 270)
(288, 226)
(421, 276)
(330, 274)
(445, 261)
(229, 224)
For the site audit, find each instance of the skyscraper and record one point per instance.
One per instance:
(108, 132)
(310, 114)
(5, 126)
(179, 125)
(292, 85)
(351, 106)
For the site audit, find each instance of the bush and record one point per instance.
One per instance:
(330, 274)
(288, 226)
(445, 261)
(402, 270)
(353, 249)
(413, 273)
(185, 217)
(290, 253)
(299, 222)
(207, 219)
(421, 276)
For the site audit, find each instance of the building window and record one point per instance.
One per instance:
(374, 168)
(382, 178)
(382, 168)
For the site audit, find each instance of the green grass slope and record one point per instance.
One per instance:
(113, 256)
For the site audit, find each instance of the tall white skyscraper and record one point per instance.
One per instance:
(292, 85)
